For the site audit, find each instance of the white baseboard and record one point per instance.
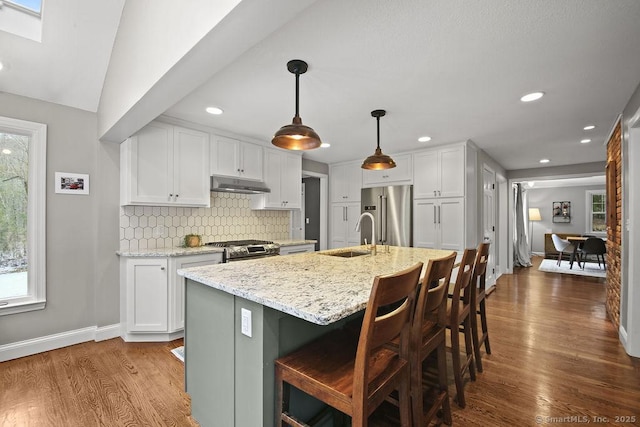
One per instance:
(52, 342)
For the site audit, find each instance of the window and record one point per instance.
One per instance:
(596, 212)
(22, 215)
(22, 18)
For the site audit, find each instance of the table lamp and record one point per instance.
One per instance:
(534, 215)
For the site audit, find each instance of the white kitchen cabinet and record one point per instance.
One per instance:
(439, 223)
(283, 176)
(344, 217)
(165, 165)
(402, 174)
(297, 249)
(147, 293)
(345, 182)
(439, 173)
(234, 158)
(152, 295)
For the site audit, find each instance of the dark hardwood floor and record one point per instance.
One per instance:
(555, 356)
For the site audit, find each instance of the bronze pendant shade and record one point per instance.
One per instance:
(378, 160)
(296, 136)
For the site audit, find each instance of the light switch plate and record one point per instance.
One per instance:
(245, 322)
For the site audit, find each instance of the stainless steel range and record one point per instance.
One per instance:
(238, 250)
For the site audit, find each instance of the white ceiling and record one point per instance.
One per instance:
(450, 69)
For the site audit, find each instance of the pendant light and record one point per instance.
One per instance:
(296, 136)
(378, 160)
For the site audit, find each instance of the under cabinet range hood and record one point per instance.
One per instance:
(224, 184)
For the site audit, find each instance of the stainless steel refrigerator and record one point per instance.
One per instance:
(392, 209)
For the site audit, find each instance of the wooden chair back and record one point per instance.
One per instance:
(377, 330)
(432, 302)
(462, 290)
(480, 266)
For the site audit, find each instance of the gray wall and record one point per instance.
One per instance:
(312, 209)
(313, 166)
(82, 231)
(543, 199)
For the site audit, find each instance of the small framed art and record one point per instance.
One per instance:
(561, 212)
(71, 183)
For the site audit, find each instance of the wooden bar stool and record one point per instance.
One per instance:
(356, 376)
(428, 335)
(459, 321)
(479, 305)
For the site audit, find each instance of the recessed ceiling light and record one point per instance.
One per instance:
(532, 96)
(214, 110)
(544, 160)
(6, 151)
(325, 145)
(424, 139)
(531, 183)
(585, 141)
(589, 127)
(1, 66)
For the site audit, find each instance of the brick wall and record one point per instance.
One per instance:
(614, 224)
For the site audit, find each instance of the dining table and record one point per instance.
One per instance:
(577, 242)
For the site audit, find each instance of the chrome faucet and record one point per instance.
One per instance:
(373, 230)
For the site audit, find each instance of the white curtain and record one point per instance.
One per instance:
(521, 256)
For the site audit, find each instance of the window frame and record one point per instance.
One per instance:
(36, 216)
(589, 212)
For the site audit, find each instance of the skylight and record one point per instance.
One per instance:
(22, 18)
(32, 5)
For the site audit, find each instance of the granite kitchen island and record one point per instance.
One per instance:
(291, 299)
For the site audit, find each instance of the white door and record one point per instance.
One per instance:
(353, 213)
(338, 220)
(191, 167)
(152, 164)
(225, 156)
(425, 229)
(252, 158)
(489, 221)
(147, 295)
(451, 223)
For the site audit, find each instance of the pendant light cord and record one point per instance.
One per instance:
(297, 89)
(378, 120)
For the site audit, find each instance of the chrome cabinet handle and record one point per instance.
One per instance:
(434, 214)
(161, 268)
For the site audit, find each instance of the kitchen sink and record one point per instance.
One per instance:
(347, 254)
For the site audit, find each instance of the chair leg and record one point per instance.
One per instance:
(559, 258)
(468, 348)
(485, 329)
(455, 356)
(405, 403)
(416, 388)
(475, 337)
(444, 384)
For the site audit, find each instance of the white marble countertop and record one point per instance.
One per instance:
(164, 252)
(313, 286)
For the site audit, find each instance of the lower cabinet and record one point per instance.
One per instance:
(152, 295)
(297, 249)
(439, 223)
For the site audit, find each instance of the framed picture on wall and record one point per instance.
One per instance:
(71, 183)
(561, 212)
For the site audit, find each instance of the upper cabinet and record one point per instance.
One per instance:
(439, 173)
(165, 165)
(230, 157)
(345, 182)
(402, 174)
(283, 176)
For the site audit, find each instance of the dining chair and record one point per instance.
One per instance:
(593, 246)
(459, 321)
(478, 304)
(563, 246)
(355, 376)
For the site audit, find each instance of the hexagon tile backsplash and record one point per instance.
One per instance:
(228, 218)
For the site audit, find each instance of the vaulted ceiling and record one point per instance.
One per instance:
(450, 69)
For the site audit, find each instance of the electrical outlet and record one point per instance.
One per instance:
(245, 322)
(307, 220)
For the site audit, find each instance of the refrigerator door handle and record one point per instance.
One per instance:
(439, 215)
(434, 215)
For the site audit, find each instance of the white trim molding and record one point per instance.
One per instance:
(55, 341)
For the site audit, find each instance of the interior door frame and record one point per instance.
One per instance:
(493, 220)
(324, 205)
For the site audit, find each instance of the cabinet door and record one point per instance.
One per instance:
(353, 213)
(345, 182)
(177, 285)
(291, 181)
(451, 222)
(425, 223)
(191, 167)
(273, 164)
(452, 170)
(225, 156)
(150, 174)
(297, 249)
(252, 158)
(401, 174)
(147, 293)
(426, 175)
(338, 221)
